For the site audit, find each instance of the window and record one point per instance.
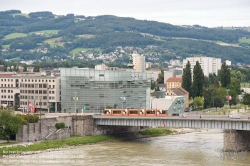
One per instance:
(44, 92)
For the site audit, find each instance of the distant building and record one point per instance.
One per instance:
(154, 72)
(148, 64)
(209, 65)
(101, 67)
(1, 68)
(172, 72)
(228, 62)
(173, 82)
(139, 62)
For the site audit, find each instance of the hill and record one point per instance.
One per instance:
(44, 36)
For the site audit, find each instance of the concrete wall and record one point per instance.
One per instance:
(31, 131)
(84, 126)
(77, 125)
(236, 140)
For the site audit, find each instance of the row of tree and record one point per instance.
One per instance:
(212, 90)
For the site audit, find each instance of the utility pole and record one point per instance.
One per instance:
(75, 101)
(40, 127)
(75, 113)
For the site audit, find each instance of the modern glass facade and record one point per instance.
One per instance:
(93, 90)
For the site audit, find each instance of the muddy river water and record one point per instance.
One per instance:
(195, 148)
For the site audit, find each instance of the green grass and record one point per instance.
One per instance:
(7, 143)
(156, 132)
(51, 144)
(78, 50)
(14, 35)
(245, 85)
(242, 40)
(6, 46)
(20, 14)
(55, 42)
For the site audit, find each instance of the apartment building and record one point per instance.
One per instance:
(209, 65)
(26, 89)
(139, 62)
(173, 82)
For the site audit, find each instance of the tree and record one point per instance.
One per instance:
(234, 99)
(37, 68)
(218, 102)
(225, 76)
(207, 94)
(198, 80)
(235, 85)
(152, 85)
(160, 79)
(187, 78)
(25, 68)
(216, 84)
(198, 102)
(9, 124)
(246, 99)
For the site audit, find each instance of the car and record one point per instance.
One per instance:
(234, 117)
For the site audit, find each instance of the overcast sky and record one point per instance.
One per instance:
(210, 13)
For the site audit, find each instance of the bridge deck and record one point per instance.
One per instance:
(207, 122)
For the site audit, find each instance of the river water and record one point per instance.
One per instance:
(195, 149)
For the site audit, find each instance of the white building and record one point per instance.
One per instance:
(139, 62)
(208, 64)
(228, 62)
(101, 67)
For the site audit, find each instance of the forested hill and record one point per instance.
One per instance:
(62, 34)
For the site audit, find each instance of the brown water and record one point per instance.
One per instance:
(196, 148)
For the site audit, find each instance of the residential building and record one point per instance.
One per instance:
(173, 82)
(154, 72)
(91, 91)
(171, 72)
(139, 62)
(228, 62)
(209, 65)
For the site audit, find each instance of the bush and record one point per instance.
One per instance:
(60, 125)
(31, 118)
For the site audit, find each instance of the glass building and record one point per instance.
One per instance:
(91, 91)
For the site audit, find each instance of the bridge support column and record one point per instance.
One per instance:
(236, 140)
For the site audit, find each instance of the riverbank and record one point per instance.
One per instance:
(53, 145)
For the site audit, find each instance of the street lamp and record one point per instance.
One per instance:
(227, 98)
(122, 98)
(40, 127)
(75, 98)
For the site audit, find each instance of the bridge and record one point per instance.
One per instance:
(236, 131)
(205, 122)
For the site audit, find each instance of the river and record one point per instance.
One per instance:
(195, 149)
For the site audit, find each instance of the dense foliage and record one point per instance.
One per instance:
(9, 124)
(187, 78)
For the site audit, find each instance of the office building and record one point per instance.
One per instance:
(20, 90)
(90, 91)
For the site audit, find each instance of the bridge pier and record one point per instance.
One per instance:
(236, 140)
